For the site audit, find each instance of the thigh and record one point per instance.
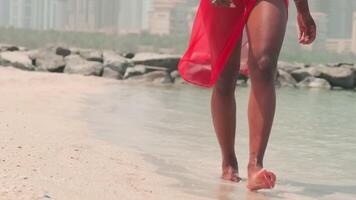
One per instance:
(265, 30)
(232, 66)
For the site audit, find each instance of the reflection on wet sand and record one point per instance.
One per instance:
(229, 192)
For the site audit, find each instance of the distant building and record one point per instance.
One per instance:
(354, 33)
(4, 12)
(339, 45)
(109, 16)
(81, 15)
(20, 13)
(170, 16)
(321, 21)
(131, 16)
(48, 14)
(340, 18)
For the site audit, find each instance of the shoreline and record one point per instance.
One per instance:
(47, 151)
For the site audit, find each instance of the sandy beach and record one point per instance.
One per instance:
(48, 152)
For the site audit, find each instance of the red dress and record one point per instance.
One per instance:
(215, 32)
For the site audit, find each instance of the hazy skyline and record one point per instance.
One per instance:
(335, 22)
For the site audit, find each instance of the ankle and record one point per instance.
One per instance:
(229, 161)
(255, 164)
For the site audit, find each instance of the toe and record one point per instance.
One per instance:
(267, 180)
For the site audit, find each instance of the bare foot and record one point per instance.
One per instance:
(230, 174)
(261, 179)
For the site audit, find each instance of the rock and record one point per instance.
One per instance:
(301, 74)
(61, 51)
(32, 54)
(154, 68)
(289, 67)
(134, 71)
(115, 65)
(17, 59)
(312, 82)
(47, 60)
(109, 72)
(166, 79)
(128, 55)
(175, 74)
(340, 64)
(13, 48)
(284, 79)
(338, 76)
(8, 47)
(77, 65)
(168, 61)
(91, 55)
(161, 77)
(74, 50)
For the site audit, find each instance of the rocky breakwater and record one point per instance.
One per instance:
(139, 67)
(161, 68)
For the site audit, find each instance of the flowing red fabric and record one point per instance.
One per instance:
(215, 32)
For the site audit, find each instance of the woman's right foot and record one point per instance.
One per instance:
(230, 173)
(230, 169)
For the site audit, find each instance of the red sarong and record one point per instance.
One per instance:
(215, 32)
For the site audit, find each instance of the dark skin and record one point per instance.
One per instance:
(266, 28)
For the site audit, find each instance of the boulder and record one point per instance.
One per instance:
(168, 61)
(115, 65)
(289, 67)
(312, 82)
(161, 77)
(175, 74)
(8, 47)
(301, 74)
(166, 79)
(284, 79)
(61, 51)
(77, 65)
(338, 76)
(91, 55)
(128, 55)
(340, 64)
(17, 59)
(109, 72)
(135, 71)
(155, 68)
(47, 60)
(32, 54)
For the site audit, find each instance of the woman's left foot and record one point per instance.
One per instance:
(261, 179)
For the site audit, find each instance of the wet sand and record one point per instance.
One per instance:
(48, 152)
(73, 137)
(311, 148)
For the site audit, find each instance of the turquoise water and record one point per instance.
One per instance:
(312, 147)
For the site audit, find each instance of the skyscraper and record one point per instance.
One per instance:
(169, 16)
(4, 12)
(81, 15)
(340, 18)
(131, 16)
(354, 33)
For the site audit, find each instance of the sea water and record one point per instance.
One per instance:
(312, 147)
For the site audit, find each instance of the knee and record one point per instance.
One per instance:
(265, 68)
(225, 85)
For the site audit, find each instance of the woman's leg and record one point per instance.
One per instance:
(223, 108)
(265, 29)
